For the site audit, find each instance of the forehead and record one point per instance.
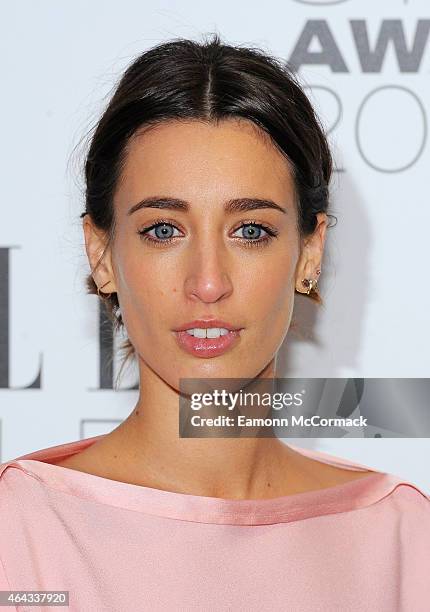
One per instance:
(196, 161)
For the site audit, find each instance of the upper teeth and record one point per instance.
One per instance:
(210, 332)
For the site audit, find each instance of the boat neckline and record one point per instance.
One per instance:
(343, 497)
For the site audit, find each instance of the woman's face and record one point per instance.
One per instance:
(226, 247)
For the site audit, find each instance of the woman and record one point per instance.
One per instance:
(206, 211)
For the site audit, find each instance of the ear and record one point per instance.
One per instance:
(99, 256)
(311, 253)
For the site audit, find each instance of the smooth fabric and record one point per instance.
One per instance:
(358, 546)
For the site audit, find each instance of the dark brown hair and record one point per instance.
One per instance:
(208, 81)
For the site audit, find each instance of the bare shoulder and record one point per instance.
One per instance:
(102, 458)
(84, 461)
(73, 462)
(333, 475)
(324, 474)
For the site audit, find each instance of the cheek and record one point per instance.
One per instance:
(272, 308)
(268, 286)
(144, 285)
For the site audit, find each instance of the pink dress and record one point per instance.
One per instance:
(359, 546)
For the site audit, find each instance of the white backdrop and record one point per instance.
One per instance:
(366, 64)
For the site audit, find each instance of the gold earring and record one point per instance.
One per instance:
(310, 283)
(105, 296)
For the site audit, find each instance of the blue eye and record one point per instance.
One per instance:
(256, 234)
(252, 231)
(163, 232)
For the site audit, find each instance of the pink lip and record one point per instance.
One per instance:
(207, 347)
(205, 324)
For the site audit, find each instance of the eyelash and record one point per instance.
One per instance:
(249, 243)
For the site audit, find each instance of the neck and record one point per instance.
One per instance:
(152, 453)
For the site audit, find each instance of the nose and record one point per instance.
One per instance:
(208, 279)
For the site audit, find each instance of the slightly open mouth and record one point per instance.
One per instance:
(207, 346)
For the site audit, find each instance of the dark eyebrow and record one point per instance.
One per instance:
(231, 206)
